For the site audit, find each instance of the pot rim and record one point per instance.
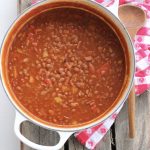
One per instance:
(109, 112)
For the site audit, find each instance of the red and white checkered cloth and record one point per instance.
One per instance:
(92, 136)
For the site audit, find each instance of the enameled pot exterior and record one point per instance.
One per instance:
(113, 21)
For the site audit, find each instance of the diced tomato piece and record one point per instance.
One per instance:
(48, 82)
(103, 69)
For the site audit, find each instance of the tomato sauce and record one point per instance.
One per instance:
(66, 66)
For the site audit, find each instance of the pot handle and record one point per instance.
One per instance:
(63, 136)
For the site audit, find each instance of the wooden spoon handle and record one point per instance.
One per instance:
(131, 113)
(131, 98)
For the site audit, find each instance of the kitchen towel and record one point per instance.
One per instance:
(142, 49)
(92, 136)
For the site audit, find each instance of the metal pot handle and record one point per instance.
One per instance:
(63, 136)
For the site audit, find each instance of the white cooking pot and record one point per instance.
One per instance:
(66, 131)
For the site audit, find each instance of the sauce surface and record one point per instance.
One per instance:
(66, 66)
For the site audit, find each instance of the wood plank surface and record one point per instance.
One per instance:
(142, 139)
(105, 143)
(31, 132)
(23, 4)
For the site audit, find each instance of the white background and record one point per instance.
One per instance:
(8, 140)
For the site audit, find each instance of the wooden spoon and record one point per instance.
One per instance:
(133, 19)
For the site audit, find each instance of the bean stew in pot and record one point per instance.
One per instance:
(66, 66)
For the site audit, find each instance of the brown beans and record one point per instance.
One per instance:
(48, 60)
(80, 84)
(79, 44)
(88, 58)
(48, 65)
(34, 43)
(110, 50)
(25, 60)
(25, 71)
(74, 90)
(69, 73)
(73, 110)
(64, 106)
(44, 64)
(19, 88)
(51, 112)
(15, 72)
(38, 65)
(85, 66)
(60, 85)
(74, 104)
(44, 92)
(76, 69)
(111, 94)
(53, 79)
(80, 94)
(61, 79)
(37, 62)
(120, 62)
(91, 68)
(62, 68)
(96, 92)
(57, 76)
(31, 79)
